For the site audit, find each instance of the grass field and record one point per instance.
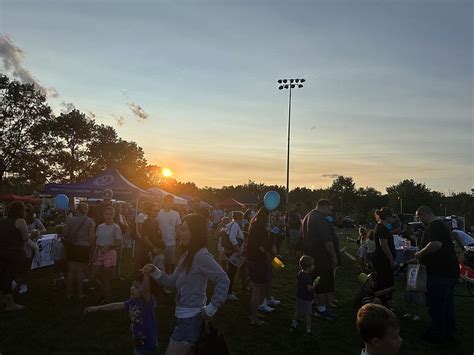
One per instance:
(52, 325)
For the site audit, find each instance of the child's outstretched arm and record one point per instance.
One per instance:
(118, 306)
(384, 291)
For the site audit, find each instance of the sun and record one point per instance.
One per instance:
(166, 172)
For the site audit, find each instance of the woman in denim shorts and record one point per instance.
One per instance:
(190, 278)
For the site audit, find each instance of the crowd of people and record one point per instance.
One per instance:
(248, 243)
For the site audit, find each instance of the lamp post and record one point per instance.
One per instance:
(342, 204)
(289, 84)
(401, 204)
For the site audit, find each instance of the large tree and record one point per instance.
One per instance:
(408, 195)
(107, 150)
(22, 109)
(66, 139)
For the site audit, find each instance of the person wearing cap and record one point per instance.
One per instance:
(107, 196)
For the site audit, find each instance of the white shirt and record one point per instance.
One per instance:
(235, 232)
(168, 222)
(107, 234)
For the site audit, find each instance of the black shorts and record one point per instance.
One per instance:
(77, 253)
(260, 272)
(326, 282)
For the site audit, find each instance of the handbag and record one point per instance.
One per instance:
(211, 342)
(416, 278)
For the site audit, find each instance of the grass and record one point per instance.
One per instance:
(52, 325)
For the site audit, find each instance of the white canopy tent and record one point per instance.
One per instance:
(162, 193)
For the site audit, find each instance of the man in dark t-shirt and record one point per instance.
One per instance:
(318, 242)
(442, 268)
(99, 209)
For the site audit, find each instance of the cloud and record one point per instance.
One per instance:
(91, 115)
(67, 107)
(138, 112)
(313, 128)
(12, 61)
(332, 176)
(120, 121)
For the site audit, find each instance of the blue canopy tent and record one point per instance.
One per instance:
(93, 187)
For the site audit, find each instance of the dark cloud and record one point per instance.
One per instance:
(332, 176)
(12, 61)
(67, 107)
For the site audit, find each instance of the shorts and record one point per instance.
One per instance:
(259, 272)
(303, 307)
(188, 330)
(326, 283)
(106, 260)
(170, 254)
(77, 253)
(293, 238)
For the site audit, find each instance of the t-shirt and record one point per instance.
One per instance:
(143, 323)
(235, 233)
(107, 234)
(217, 215)
(442, 262)
(81, 225)
(316, 232)
(303, 280)
(381, 232)
(168, 221)
(35, 225)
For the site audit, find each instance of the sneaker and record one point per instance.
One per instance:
(310, 333)
(407, 315)
(294, 326)
(23, 289)
(265, 308)
(273, 302)
(326, 315)
(232, 297)
(415, 318)
(168, 292)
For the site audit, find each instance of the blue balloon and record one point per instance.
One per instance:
(62, 202)
(275, 230)
(271, 200)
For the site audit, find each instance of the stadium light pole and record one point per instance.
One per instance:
(289, 84)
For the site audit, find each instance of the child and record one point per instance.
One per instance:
(367, 293)
(378, 327)
(141, 309)
(157, 257)
(305, 294)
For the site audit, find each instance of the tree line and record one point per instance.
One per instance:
(37, 146)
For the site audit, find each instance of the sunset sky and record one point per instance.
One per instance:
(389, 91)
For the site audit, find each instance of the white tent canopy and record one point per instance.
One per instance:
(162, 193)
